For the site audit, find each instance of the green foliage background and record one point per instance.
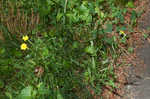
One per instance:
(70, 43)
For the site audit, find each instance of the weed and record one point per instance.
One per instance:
(67, 53)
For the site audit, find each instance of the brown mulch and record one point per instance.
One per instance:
(136, 41)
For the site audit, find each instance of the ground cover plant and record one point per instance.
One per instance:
(60, 49)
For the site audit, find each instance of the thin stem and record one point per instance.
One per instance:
(65, 10)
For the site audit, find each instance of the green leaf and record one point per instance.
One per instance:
(93, 63)
(83, 9)
(2, 50)
(59, 96)
(26, 93)
(59, 16)
(130, 4)
(86, 75)
(109, 40)
(100, 13)
(145, 35)
(97, 10)
(45, 52)
(75, 45)
(72, 17)
(18, 53)
(105, 61)
(111, 83)
(133, 17)
(1, 84)
(8, 95)
(41, 89)
(109, 28)
(90, 50)
(130, 49)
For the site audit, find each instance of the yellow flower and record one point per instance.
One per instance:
(23, 46)
(122, 33)
(25, 38)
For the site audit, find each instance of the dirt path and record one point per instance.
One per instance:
(139, 79)
(138, 86)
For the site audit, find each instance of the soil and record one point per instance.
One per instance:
(138, 86)
(133, 77)
(139, 79)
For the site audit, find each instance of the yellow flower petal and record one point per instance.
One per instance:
(122, 32)
(23, 46)
(25, 38)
